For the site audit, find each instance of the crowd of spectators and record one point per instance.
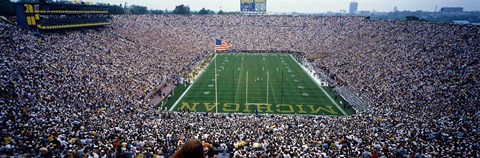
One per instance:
(80, 93)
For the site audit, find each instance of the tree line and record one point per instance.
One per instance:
(180, 9)
(7, 8)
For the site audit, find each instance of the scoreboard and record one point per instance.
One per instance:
(253, 6)
(52, 16)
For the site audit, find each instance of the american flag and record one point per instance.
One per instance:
(221, 45)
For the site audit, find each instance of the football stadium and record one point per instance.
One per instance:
(84, 79)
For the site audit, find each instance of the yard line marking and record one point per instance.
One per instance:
(325, 92)
(271, 86)
(239, 77)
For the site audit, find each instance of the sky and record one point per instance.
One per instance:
(306, 6)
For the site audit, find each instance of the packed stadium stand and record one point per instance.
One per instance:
(80, 93)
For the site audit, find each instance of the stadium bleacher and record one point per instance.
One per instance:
(81, 93)
(355, 100)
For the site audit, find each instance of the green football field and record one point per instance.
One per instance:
(258, 83)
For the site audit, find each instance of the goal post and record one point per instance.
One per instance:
(246, 90)
(267, 82)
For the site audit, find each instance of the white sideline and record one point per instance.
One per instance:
(190, 86)
(318, 84)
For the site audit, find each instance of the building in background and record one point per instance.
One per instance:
(451, 9)
(353, 7)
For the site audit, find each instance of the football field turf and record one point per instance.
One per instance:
(258, 83)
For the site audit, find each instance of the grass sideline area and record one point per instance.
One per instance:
(175, 94)
(257, 83)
